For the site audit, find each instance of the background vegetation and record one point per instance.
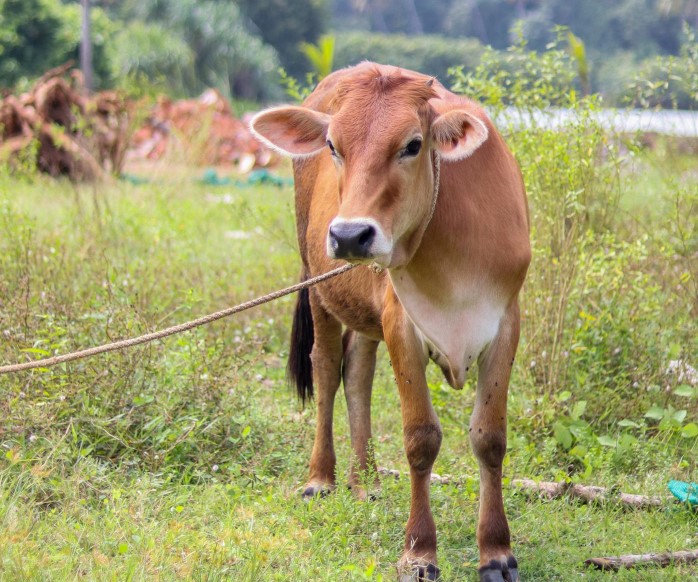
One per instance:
(237, 46)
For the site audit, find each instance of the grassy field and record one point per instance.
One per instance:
(183, 459)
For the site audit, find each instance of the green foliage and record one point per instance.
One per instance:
(285, 24)
(668, 81)
(296, 90)
(431, 55)
(522, 78)
(321, 56)
(151, 52)
(197, 45)
(36, 35)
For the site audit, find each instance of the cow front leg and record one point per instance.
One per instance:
(357, 374)
(488, 437)
(327, 361)
(422, 439)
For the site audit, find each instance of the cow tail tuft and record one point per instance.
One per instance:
(300, 367)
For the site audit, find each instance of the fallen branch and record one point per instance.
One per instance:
(632, 560)
(590, 493)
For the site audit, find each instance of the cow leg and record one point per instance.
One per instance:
(488, 437)
(422, 439)
(327, 361)
(359, 367)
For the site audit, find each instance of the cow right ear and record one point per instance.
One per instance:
(292, 131)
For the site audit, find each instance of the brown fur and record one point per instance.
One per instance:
(476, 246)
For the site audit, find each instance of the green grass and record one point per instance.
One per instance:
(183, 459)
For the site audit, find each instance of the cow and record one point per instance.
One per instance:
(414, 184)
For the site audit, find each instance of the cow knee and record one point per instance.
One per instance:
(489, 446)
(422, 444)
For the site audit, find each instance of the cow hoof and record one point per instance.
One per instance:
(316, 490)
(504, 570)
(360, 493)
(418, 572)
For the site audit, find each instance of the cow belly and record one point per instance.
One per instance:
(454, 334)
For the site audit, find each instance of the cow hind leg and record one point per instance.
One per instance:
(326, 360)
(488, 431)
(357, 374)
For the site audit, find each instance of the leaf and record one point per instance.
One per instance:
(628, 423)
(564, 395)
(579, 409)
(246, 431)
(122, 548)
(690, 430)
(606, 441)
(679, 416)
(562, 435)
(655, 413)
(684, 390)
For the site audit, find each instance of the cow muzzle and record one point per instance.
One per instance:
(357, 239)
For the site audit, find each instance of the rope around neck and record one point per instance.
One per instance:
(149, 337)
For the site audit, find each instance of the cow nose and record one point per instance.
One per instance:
(351, 240)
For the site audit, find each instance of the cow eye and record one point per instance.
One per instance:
(331, 146)
(412, 148)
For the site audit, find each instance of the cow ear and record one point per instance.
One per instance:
(292, 131)
(457, 134)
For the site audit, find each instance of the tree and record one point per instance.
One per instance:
(285, 24)
(196, 44)
(36, 35)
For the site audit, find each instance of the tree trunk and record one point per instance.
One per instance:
(86, 48)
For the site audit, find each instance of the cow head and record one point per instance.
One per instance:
(381, 134)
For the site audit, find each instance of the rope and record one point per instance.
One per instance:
(149, 337)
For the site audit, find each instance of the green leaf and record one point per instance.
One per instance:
(564, 395)
(579, 409)
(629, 423)
(562, 435)
(122, 548)
(679, 416)
(606, 441)
(655, 413)
(690, 430)
(684, 390)
(246, 431)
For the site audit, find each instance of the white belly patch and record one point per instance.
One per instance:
(454, 335)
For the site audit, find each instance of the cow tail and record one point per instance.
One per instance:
(300, 367)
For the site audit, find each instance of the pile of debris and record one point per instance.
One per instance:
(64, 132)
(201, 131)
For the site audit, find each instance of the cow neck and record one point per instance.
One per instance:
(436, 163)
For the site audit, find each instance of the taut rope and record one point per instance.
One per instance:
(127, 343)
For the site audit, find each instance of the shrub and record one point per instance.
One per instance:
(431, 55)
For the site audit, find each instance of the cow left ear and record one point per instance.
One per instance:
(457, 134)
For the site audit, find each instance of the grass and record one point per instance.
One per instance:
(183, 459)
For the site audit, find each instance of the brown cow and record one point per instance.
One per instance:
(367, 147)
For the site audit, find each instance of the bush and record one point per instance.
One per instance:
(431, 55)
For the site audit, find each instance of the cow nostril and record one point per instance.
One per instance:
(366, 237)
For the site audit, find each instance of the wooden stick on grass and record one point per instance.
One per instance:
(590, 493)
(632, 560)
